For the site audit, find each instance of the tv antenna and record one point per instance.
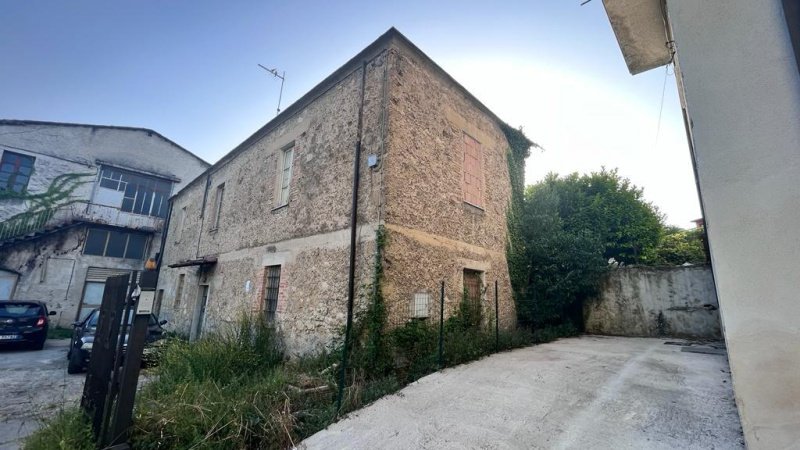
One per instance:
(282, 76)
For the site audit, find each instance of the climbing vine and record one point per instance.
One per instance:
(519, 150)
(42, 206)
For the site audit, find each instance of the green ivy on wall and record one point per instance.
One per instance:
(519, 150)
(43, 205)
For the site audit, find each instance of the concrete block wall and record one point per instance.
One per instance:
(655, 301)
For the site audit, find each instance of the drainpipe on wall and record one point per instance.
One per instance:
(353, 232)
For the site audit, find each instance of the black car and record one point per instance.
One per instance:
(24, 322)
(83, 339)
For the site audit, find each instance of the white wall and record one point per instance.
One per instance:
(742, 91)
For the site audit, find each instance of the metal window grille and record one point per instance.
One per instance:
(272, 283)
(419, 305)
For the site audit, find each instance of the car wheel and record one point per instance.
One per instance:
(75, 365)
(38, 345)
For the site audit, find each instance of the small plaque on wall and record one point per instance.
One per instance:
(146, 300)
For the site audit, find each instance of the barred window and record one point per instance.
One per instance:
(419, 305)
(272, 282)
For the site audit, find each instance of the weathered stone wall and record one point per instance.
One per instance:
(433, 234)
(648, 301)
(309, 237)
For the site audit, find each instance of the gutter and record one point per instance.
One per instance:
(353, 234)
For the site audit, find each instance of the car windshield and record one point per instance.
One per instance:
(19, 309)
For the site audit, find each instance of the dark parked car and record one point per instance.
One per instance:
(83, 339)
(24, 322)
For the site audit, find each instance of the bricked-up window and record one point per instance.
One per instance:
(272, 282)
(287, 160)
(419, 305)
(472, 181)
(218, 206)
(15, 171)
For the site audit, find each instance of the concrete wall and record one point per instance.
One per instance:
(655, 301)
(741, 89)
(78, 149)
(433, 234)
(53, 269)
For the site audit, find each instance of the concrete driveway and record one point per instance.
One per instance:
(34, 385)
(586, 392)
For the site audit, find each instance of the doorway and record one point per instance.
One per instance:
(200, 312)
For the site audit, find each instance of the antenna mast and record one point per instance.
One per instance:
(282, 76)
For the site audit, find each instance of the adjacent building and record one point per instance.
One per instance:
(737, 65)
(267, 228)
(79, 203)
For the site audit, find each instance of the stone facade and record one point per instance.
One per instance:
(47, 261)
(414, 117)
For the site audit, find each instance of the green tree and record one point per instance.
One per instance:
(678, 246)
(571, 227)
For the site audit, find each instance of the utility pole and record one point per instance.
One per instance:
(282, 77)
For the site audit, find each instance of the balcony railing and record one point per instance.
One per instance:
(49, 219)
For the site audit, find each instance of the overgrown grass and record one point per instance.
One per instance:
(235, 389)
(69, 429)
(59, 333)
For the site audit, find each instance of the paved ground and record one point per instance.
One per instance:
(34, 385)
(587, 392)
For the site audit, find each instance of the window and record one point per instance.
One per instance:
(472, 180)
(179, 290)
(15, 171)
(141, 194)
(287, 158)
(181, 224)
(419, 305)
(218, 206)
(272, 281)
(115, 244)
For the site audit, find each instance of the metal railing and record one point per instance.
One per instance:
(35, 221)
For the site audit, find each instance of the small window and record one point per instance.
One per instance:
(272, 283)
(136, 245)
(287, 161)
(218, 206)
(96, 242)
(181, 224)
(117, 241)
(472, 180)
(179, 290)
(15, 171)
(420, 304)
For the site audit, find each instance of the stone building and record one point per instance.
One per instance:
(79, 203)
(267, 228)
